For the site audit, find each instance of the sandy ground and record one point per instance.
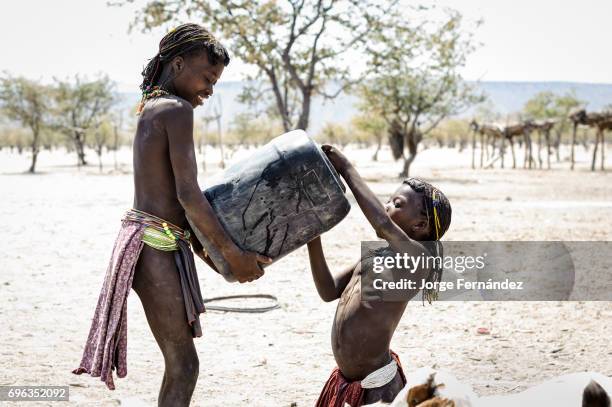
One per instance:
(59, 227)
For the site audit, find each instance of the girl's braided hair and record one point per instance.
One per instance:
(186, 39)
(438, 211)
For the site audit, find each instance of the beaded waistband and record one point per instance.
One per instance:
(172, 231)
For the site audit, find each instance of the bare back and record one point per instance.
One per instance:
(154, 182)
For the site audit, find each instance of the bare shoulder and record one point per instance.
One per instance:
(168, 108)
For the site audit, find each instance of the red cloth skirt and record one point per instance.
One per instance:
(338, 391)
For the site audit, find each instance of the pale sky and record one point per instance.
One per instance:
(523, 40)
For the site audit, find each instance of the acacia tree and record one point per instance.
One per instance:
(335, 133)
(26, 101)
(417, 82)
(117, 123)
(103, 134)
(373, 125)
(251, 129)
(296, 46)
(78, 105)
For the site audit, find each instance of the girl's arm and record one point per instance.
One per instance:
(329, 287)
(179, 125)
(372, 208)
(197, 248)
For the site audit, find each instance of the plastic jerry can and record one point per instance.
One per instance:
(278, 199)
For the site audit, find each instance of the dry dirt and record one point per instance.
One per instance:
(58, 229)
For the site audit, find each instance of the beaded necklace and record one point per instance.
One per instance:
(150, 92)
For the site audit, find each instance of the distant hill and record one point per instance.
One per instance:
(509, 97)
(506, 97)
